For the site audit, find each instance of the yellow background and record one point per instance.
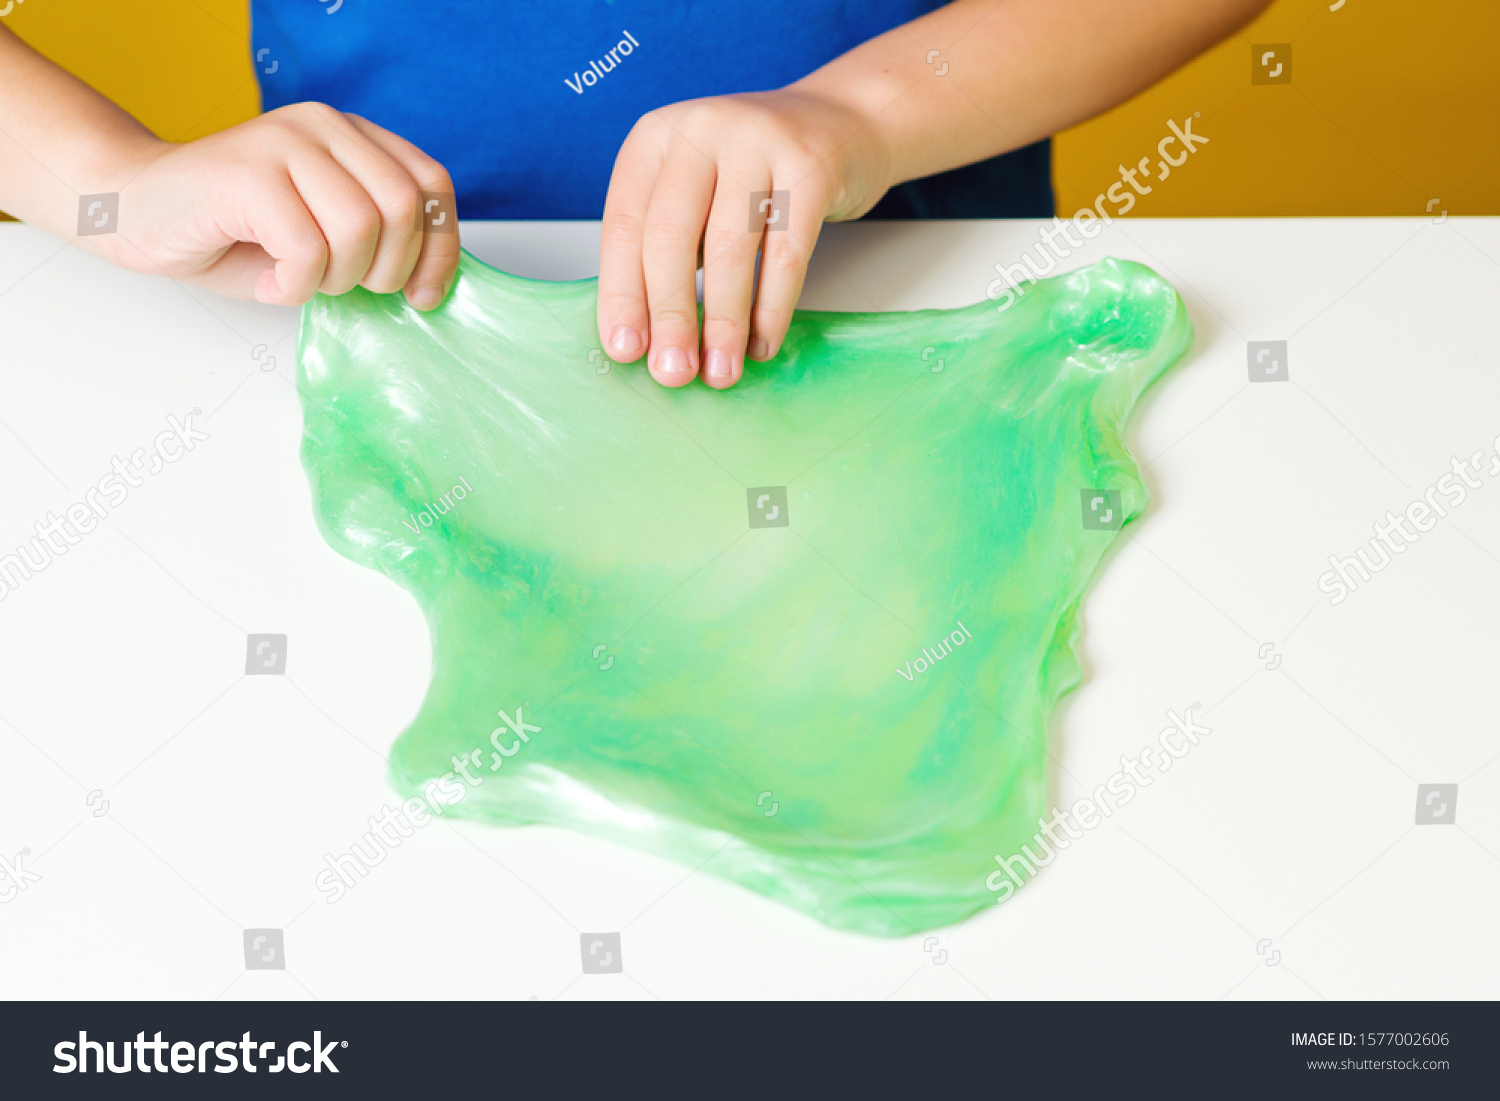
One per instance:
(1391, 104)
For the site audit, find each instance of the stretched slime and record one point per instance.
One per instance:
(805, 633)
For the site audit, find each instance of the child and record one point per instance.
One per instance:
(520, 108)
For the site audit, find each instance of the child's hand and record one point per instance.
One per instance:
(684, 180)
(299, 200)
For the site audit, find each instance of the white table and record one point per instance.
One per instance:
(1278, 859)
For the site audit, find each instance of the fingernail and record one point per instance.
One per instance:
(424, 298)
(673, 361)
(720, 366)
(759, 348)
(625, 343)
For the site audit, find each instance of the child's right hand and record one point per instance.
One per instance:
(298, 200)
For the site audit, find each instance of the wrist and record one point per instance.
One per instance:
(862, 157)
(866, 155)
(118, 165)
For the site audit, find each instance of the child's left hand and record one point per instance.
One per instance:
(684, 180)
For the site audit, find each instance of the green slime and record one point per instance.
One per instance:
(692, 676)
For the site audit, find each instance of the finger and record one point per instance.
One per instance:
(669, 256)
(346, 215)
(397, 199)
(236, 273)
(436, 263)
(296, 252)
(783, 267)
(729, 247)
(623, 317)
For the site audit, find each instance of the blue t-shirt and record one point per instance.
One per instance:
(526, 102)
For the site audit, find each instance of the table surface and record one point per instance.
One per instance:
(168, 802)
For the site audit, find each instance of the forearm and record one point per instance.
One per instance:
(60, 139)
(1014, 71)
